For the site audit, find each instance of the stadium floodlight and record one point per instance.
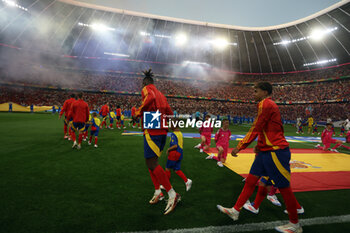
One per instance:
(185, 63)
(320, 62)
(142, 33)
(180, 39)
(101, 27)
(10, 3)
(162, 36)
(316, 35)
(220, 43)
(14, 4)
(117, 54)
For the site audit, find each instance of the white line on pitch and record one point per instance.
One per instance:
(255, 226)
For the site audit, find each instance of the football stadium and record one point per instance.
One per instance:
(119, 119)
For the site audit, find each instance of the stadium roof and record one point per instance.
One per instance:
(85, 30)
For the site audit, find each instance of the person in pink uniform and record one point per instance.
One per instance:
(222, 138)
(327, 139)
(205, 136)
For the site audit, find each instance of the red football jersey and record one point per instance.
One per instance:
(104, 110)
(80, 111)
(153, 100)
(67, 106)
(267, 127)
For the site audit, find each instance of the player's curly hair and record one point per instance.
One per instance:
(148, 79)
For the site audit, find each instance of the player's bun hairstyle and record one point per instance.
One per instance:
(148, 76)
(329, 124)
(265, 86)
(80, 95)
(72, 95)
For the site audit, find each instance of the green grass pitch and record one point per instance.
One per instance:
(45, 186)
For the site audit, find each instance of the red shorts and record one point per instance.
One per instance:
(207, 138)
(224, 154)
(174, 155)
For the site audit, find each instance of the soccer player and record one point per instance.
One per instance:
(134, 119)
(342, 129)
(205, 133)
(175, 155)
(65, 109)
(104, 111)
(300, 126)
(266, 188)
(327, 139)
(80, 113)
(154, 141)
(111, 118)
(310, 122)
(95, 128)
(272, 159)
(119, 114)
(222, 139)
(314, 125)
(87, 126)
(122, 117)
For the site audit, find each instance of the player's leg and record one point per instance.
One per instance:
(220, 156)
(73, 136)
(256, 171)
(278, 168)
(81, 127)
(92, 132)
(153, 146)
(271, 196)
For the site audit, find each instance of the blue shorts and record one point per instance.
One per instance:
(275, 165)
(153, 145)
(175, 165)
(118, 118)
(266, 180)
(94, 133)
(122, 122)
(111, 120)
(78, 126)
(86, 127)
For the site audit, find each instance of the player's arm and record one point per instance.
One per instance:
(147, 100)
(64, 108)
(257, 127)
(87, 113)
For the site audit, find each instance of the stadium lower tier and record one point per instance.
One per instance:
(27, 97)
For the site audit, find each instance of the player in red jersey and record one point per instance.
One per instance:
(222, 139)
(119, 115)
(134, 118)
(327, 139)
(65, 109)
(104, 111)
(205, 133)
(155, 139)
(272, 159)
(80, 114)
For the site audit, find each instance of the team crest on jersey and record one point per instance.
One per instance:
(301, 165)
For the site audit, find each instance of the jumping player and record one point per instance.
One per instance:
(222, 138)
(327, 139)
(272, 159)
(175, 156)
(80, 113)
(95, 128)
(205, 133)
(154, 141)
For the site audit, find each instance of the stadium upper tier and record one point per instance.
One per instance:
(107, 37)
